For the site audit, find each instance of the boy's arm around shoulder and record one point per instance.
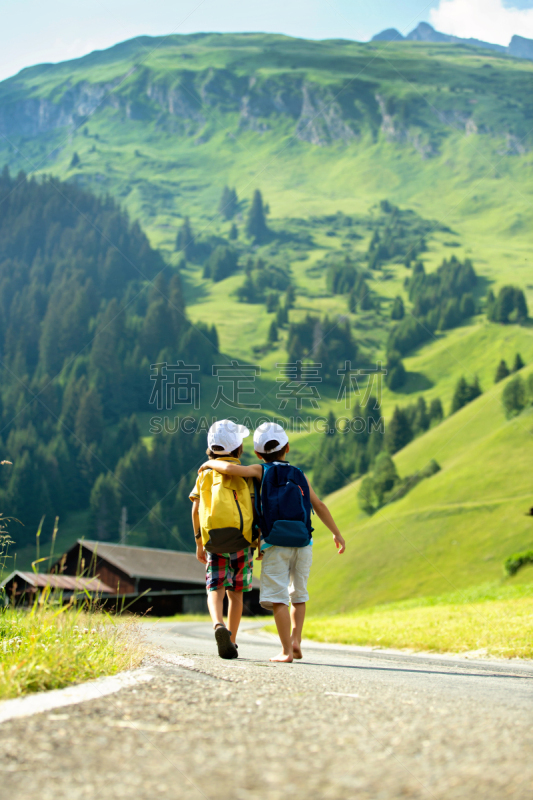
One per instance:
(324, 515)
(227, 468)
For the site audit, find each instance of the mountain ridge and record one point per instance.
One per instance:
(325, 92)
(518, 47)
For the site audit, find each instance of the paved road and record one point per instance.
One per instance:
(345, 723)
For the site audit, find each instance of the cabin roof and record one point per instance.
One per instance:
(151, 562)
(68, 582)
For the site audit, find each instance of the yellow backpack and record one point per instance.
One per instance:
(226, 513)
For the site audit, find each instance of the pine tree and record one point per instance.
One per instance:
(460, 395)
(176, 303)
(256, 227)
(159, 532)
(421, 417)
(233, 233)
(518, 363)
(399, 432)
(105, 507)
(491, 306)
(228, 203)
(272, 302)
(247, 293)
(74, 161)
(273, 332)
(106, 364)
(157, 329)
(290, 296)
(502, 372)
(128, 433)
(365, 302)
(221, 263)
(468, 306)
(74, 391)
(185, 239)
(436, 412)
(28, 496)
(366, 497)
(509, 306)
(396, 374)
(331, 428)
(384, 477)
(530, 388)
(465, 393)
(295, 349)
(282, 317)
(474, 390)
(89, 419)
(398, 310)
(505, 304)
(520, 305)
(514, 397)
(450, 315)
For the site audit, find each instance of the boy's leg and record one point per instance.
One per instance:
(241, 566)
(217, 570)
(299, 574)
(283, 624)
(215, 604)
(275, 575)
(297, 620)
(234, 612)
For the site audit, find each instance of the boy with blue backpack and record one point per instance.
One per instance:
(284, 499)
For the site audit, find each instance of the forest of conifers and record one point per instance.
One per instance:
(80, 324)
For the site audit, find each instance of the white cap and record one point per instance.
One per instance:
(268, 432)
(226, 434)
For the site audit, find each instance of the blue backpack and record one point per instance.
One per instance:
(283, 505)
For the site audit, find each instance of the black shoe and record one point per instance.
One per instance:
(226, 648)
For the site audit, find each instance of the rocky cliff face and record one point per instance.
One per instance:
(184, 101)
(32, 116)
(318, 116)
(521, 47)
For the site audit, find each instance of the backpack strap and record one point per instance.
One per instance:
(258, 505)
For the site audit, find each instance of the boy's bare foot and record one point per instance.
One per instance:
(296, 650)
(283, 658)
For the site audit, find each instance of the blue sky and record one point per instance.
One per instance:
(34, 31)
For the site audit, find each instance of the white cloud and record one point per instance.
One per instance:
(489, 20)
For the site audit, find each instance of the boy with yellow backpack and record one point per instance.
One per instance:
(223, 522)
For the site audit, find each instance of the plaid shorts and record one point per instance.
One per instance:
(232, 570)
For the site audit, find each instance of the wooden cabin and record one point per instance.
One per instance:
(141, 578)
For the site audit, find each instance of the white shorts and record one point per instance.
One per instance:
(284, 574)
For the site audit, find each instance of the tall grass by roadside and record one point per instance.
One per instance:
(53, 644)
(48, 648)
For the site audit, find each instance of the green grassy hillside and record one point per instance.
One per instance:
(452, 531)
(327, 130)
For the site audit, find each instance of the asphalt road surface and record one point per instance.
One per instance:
(344, 723)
